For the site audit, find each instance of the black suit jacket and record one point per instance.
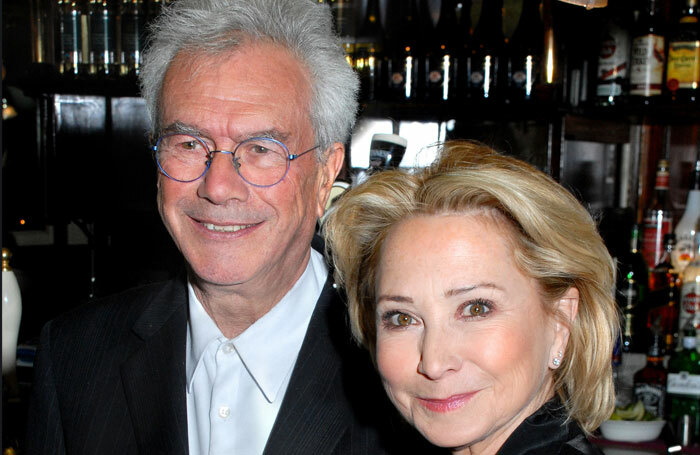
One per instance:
(110, 379)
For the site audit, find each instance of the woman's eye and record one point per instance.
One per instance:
(475, 309)
(396, 319)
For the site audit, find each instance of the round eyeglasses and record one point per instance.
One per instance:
(260, 161)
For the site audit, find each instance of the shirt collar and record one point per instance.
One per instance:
(270, 346)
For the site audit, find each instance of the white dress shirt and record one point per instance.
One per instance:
(235, 386)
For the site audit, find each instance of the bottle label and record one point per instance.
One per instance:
(683, 384)
(683, 252)
(655, 227)
(690, 303)
(613, 62)
(652, 395)
(683, 67)
(662, 178)
(647, 65)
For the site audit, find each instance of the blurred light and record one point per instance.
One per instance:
(588, 4)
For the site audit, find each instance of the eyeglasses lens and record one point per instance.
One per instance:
(259, 161)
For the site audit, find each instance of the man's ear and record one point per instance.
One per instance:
(329, 171)
(566, 313)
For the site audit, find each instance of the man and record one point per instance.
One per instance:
(251, 102)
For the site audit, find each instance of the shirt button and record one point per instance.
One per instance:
(227, 348)
(224, 412)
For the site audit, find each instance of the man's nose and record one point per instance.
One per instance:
(222, 183)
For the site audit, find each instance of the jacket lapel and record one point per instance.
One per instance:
(314, 415)
(154, 376)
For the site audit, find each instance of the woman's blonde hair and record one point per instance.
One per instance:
(556, 242)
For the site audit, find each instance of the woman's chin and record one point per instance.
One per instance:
(450, 437)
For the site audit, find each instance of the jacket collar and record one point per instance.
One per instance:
(154, 375)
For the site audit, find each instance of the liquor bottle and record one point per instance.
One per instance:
(367, 57)
(647, 56)
(442, 81)
(486, 53)
(525, 53)
(464, 37)
(614, 56)
(690, 292)
(102, 19)
(650, 381)
(11, 314)
(658, 220)
(70, 60)
(683, 64)
(629, 341)
(133, 23)
(426, 30)
(632, 287)
(344, 21)
(683, 380)
(685, 230)
(404, 53)
(663, 273)
(153, 9)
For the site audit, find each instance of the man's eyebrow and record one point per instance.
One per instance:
(184, 128)
(269, 133)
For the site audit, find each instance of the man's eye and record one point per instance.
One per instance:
(259, 149)
(191, 145)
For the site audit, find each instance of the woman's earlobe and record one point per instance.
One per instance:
(566, 312)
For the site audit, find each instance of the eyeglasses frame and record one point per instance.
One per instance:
(210, 156)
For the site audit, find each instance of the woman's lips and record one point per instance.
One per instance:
(446, 404)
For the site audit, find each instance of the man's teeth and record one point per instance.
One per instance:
(234, 228)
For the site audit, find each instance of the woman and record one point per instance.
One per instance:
(486, 297)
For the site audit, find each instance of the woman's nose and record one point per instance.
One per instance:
(438, 356)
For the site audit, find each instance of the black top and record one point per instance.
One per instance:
(547, 432)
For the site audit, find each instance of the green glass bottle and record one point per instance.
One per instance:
(683, 383)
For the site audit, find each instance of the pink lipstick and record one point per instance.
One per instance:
(447, 404)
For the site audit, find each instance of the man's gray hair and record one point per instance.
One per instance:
(216, 27)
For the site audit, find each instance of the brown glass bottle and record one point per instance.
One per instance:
(403, 52)
(487, 51)
(648, 55)
(442, 80)
(525, 49)
(650, 381)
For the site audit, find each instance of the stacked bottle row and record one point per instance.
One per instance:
(646, 58)
(659, 295)
(647, 52)
(413, 59)
(659, 277)
(102, 38)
